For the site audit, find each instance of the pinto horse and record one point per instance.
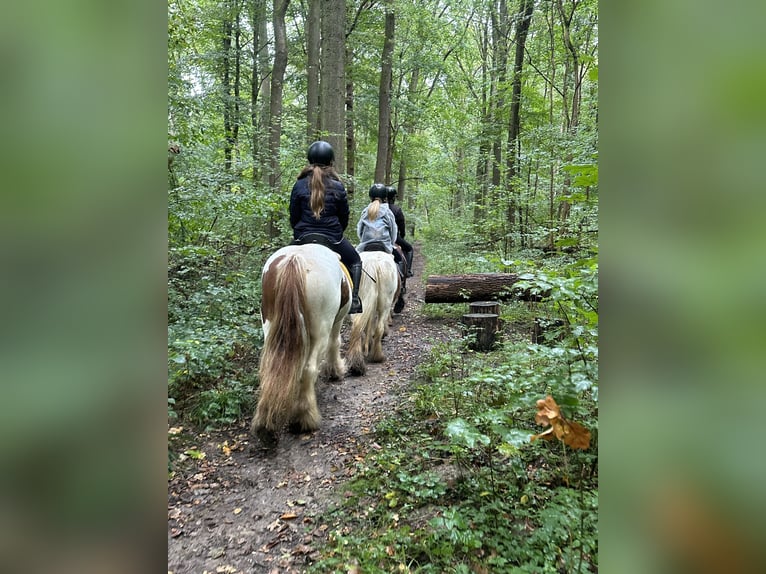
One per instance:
(377, 290)
(306, 295)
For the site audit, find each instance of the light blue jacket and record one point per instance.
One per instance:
(383, 229)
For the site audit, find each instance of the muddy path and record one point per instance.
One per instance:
(237, 511)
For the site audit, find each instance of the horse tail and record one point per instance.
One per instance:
(362, 322)
(286, 346)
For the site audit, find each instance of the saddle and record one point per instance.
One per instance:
(315, 238)
(375, 246)
(323, 240)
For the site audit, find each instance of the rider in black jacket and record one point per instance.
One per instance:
(318, 204)
(400, 223)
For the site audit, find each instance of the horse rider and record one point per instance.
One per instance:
(319, 206)
(377, 229)
(400, 223)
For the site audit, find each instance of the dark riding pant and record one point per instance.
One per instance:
(405, 245)
(347, 252)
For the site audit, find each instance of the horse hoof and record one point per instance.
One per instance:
(357, 371)
(266, 437)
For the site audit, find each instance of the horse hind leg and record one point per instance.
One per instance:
(378, 328)
(305, 416)
(334, 365)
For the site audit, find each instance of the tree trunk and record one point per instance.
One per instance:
(237, 82)
(259, 94)
(226, 84)
(350, 130)
(277, 80)
(482, 184)
(499, 65)
(524, 20)
(475, 286)
(384, 97)
(408, 128)
(572, 119)
(333, 78)
(312, 71)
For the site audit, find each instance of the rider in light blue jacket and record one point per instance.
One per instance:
(377, 223)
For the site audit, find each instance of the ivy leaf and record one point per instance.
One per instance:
(464, 433)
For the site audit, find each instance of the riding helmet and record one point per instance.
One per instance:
(390, 192)
(321, 153)
(378, 190)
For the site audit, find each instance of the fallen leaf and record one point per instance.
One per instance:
(289, 516)
(570, 433)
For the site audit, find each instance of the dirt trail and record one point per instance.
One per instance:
(237, 511)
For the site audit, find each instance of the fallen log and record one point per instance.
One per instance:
(474, 287)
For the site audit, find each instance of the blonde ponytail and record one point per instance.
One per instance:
(373, 209)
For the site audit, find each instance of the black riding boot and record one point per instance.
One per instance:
(402, 266)
(399, 305)
(356, 277)
(408, 255)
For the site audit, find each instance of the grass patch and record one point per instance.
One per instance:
(457, 485)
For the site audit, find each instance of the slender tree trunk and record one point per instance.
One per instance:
(350, 129)
(572, 119)
(500, 63)
(384, 96)
(259, 94)
(480, 200)
(524, 19)
(254, 86)
(237, 85)
(277, 80)
(226, 85)
(333, 78)
(312, 49)
(408, 128)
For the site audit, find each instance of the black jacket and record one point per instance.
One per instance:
(399, 217)
(334, 217)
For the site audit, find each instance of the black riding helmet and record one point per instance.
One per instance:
(321, 153)
(378, 190)
(390, 192)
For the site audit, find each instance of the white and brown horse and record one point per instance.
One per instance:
(305, 296)
(377, 290)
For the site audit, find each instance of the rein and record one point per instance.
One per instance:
(368, 275)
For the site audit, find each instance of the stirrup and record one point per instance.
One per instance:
(356, 306)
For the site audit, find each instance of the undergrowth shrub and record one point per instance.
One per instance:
(457, 485)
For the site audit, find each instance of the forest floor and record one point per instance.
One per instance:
(235, 510)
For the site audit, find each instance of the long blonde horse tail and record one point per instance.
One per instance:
(361, 323)
(285, 349)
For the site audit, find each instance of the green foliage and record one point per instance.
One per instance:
(457, 486)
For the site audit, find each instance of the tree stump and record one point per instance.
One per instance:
(483, 326)
(486, 307)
